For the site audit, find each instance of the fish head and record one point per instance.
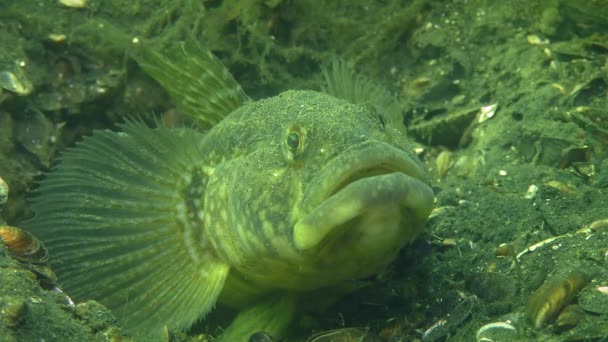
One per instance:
(315, 190)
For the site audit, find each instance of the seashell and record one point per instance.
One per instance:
(23, 246)
(570, 317)
(549, 299)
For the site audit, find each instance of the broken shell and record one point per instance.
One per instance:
(549, 299)
(497, 331)
(23, 246)
(13, 311)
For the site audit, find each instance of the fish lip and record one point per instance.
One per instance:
(344, 169)
(371, 162)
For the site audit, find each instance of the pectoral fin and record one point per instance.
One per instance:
(120, 228)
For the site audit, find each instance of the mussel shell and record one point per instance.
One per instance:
(545, 304)
(23, 246)
(570, 317)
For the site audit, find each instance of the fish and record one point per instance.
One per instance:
(262, 206)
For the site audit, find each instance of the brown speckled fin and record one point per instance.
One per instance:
(198, 82)
(120, 227)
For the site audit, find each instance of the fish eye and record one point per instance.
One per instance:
(293, 141)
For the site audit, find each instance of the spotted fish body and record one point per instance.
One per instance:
(280, 197)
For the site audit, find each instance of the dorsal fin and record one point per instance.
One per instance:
(121, 216)
(198, 82)
(342, 81)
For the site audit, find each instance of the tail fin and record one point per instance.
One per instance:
(119, 217)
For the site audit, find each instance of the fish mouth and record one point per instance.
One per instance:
(374, 179)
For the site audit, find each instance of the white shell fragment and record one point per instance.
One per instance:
(487, 112)
(495, 332)
(57, 37)
(74, 3)
(531, 192)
